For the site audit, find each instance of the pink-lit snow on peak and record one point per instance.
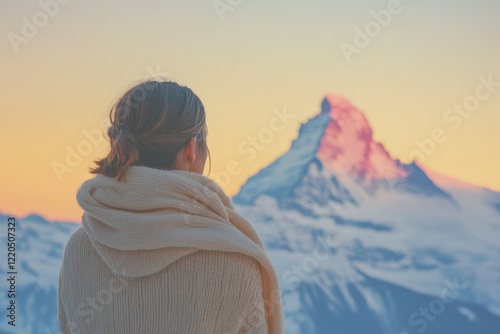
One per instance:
(348, 148)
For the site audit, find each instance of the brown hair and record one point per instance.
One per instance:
(150, 124)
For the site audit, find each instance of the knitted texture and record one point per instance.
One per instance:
(165, 252)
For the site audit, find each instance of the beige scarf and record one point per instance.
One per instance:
(156, 217)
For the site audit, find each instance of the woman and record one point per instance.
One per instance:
(161, 249)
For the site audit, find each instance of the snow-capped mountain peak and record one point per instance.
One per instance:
(335, 158)
(348, 147)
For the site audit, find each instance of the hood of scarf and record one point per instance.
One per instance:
(155, 217)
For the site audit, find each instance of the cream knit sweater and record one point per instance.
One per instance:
(165, 252)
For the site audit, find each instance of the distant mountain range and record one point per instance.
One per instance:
(362, 243)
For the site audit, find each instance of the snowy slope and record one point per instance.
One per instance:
(383, 269)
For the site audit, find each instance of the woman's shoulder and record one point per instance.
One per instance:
(78, 248)
(76, 239)
(228, 268)
(76, 255)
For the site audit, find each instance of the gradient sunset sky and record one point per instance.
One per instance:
(258, 57)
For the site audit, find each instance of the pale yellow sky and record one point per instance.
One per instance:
(261, 57)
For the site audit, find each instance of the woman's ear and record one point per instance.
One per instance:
(190, 150)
